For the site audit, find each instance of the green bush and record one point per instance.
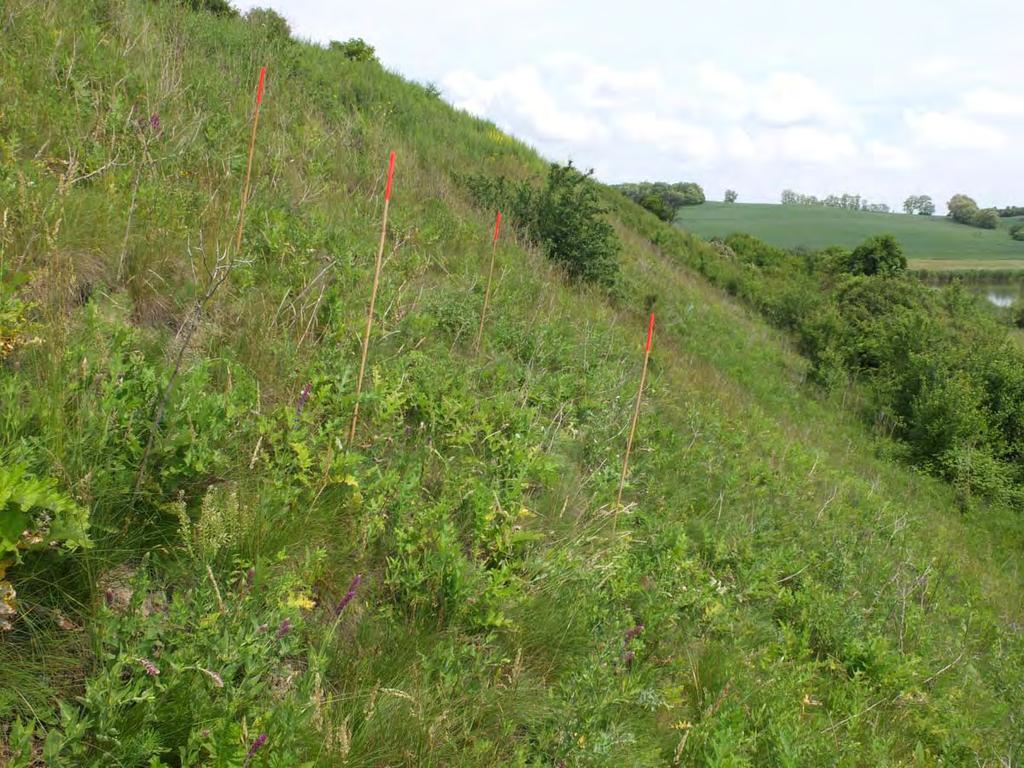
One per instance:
(881, 255)
(658, 207)
(218, 7)
(1017, 231)
(355, 49)
(564, 217)
(273, 25)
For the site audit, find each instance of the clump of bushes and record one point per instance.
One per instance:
(563, 216)
(881, 255)
(939, 371)
(670, 197)
(1017, 231)
(964, 210)
(274, 25)
(217, 7)
(355, 49)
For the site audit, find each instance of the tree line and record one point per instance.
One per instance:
(845, 201)
(661, 198)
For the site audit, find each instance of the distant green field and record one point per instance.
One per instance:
(931, 242)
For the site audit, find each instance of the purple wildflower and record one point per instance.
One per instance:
(302, 400)
(150, 667)
(260, 741)
(356, 581)
(108, 596)
(250, 577)
(628, 657)
(154, 122)
(284, 629)
(633, 633)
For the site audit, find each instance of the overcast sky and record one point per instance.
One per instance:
(881, 98)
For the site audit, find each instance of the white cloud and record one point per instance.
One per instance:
(790, 99)
(807, 144)
(936, 67)
(889, 156)
(670, 135)
(952, 131)
(988, 101)
(520, 99)
(596, 85)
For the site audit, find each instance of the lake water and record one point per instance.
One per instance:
(1003, 294)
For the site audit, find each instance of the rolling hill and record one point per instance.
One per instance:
(930, 242)
(455, 586)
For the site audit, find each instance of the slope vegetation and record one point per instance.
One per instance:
(454, 588)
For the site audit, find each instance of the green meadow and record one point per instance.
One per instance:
(930, 242)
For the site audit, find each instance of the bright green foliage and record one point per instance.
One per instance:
(674, 196)
(964, 210)
(270, 23)
(658, 207)
(564, 216)
(355, 49)
(941, 372)
(881, 255)
(780, 589)
(35, 515)
(219, 7)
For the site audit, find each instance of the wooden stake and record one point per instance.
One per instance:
(490, 276)
(248, 166)
(373, 298)
(636, 417)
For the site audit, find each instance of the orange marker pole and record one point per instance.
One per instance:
(373, 298)
(490, 276)
(636, 417)
(248, 167)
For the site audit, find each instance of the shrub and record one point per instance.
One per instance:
(1017, 231)
(881, 255)
(218, 7)
(965, 210)
(355, 49)
(658, 207)
(564, 217)
(675, 196)
(273, 25)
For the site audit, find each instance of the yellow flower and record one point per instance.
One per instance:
(300, 600)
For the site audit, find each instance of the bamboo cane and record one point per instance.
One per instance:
(373, 298)
(248, 166)
(490, 277)
(636, 417)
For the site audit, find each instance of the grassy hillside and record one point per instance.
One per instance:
(451, 590)
(931, 242)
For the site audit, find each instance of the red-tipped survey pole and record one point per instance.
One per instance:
(490, 277)
(373, 297)
(636, 417)
(248, 167)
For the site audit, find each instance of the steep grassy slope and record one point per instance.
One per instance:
(450, 591)
(931, 242)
